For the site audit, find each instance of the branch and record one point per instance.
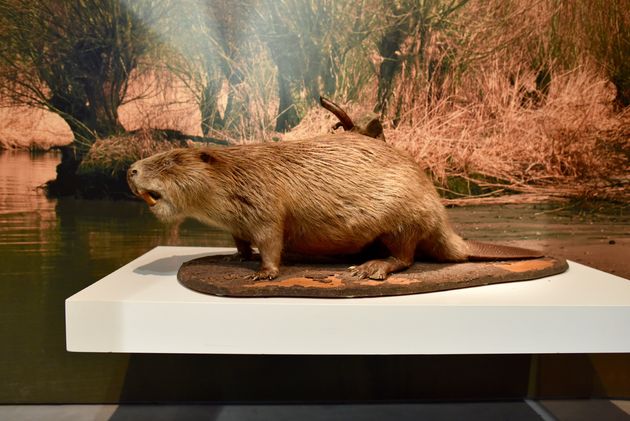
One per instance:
(344, 119)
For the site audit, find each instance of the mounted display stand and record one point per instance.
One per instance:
(218, 275)
(143, 308)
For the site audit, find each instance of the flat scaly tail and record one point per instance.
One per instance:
(479, 252)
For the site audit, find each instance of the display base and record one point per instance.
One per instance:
(141, 307)
(220, 275)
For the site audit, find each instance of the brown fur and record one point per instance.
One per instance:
(324, 196)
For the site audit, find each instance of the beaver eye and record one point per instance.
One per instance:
(171, 162)
(206, 157)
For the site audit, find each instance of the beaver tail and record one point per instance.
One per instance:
(478, 251)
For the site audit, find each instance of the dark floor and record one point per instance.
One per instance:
(599, 410)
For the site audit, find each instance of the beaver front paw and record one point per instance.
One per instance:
(264, 274)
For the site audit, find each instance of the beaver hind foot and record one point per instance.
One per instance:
(379, 269)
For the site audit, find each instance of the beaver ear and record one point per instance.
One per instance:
(207, 157)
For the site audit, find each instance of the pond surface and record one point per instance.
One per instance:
(51, 249)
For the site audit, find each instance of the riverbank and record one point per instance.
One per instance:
(607, 255)
(595, 234)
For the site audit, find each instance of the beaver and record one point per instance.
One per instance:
(325, 196)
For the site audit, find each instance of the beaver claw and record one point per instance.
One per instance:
(264, 274)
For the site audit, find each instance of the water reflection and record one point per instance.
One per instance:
(49, 250)
(27, 217)
(31, 224)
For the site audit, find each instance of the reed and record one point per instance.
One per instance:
(497, 148)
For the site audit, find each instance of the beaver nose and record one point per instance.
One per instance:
(132, 172)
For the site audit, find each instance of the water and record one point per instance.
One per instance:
(51, 249)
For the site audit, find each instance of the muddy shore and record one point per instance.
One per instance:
(612, 256)
(598, 236)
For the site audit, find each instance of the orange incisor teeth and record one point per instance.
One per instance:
(147, 198)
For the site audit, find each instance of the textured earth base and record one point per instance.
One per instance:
(219, 276)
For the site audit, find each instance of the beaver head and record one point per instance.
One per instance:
(166, 179)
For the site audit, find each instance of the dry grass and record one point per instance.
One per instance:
(318, 121)
(573, 146)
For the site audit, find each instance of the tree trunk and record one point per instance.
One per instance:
(103, 111)
(234, 111)
(390, 66)
(329, 75)
(86, 124)
(66, 181)
(287, 114)
(622, 97)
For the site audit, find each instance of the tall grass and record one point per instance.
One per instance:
(522, 97)
(573, 145)
(487, 147)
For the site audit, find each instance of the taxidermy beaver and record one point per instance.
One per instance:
(325, 196)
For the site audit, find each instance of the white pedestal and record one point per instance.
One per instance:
(142, 308)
